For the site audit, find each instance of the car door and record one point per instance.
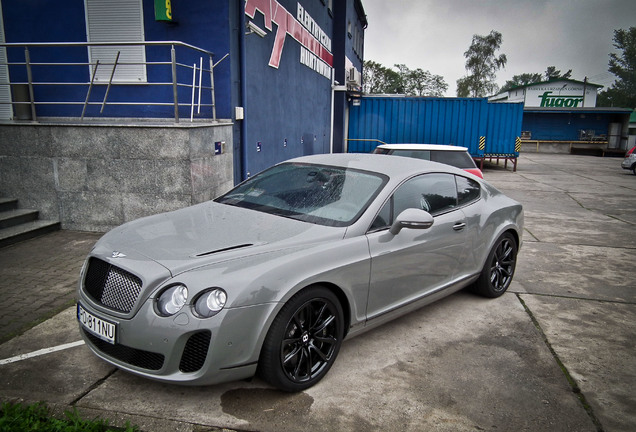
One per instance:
(406, 266)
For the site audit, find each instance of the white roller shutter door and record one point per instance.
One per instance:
(116, 21)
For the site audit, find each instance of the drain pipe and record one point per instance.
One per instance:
(243, 89)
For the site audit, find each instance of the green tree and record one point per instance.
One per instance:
(482, 63)
(419, 82)
(551, 73)
(623, 66)
(521, 80)
(378, 79)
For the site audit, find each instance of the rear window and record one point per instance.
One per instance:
(454, 158)
(417, 154)
(381, 151)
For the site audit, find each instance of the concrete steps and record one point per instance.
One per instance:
(21, 224)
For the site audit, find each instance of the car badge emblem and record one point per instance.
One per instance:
(117, 254)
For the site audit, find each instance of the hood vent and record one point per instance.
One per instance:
(224, 249)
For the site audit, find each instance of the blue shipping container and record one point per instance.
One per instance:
(482, 127)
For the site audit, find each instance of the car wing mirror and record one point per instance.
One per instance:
(412, 218)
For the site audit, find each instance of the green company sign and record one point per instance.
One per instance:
(163, 10)
(568, 101)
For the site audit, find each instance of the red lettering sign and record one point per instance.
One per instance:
(287, 24)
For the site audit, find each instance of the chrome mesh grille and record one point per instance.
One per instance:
(111, 286)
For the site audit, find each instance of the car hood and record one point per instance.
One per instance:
(209, 233)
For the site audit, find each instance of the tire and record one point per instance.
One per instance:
(303, 341)
(499, 269)
(634, 169)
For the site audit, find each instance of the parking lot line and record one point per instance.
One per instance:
(40, 352)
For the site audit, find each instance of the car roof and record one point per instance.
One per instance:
(391, 166)
(441, 147)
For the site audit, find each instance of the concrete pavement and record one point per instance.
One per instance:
(554, 353)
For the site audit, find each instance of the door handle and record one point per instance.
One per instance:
(459, 226)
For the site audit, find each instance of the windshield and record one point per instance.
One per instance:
(319, 194)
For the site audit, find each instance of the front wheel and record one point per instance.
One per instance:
(497, 273)
(303, 341)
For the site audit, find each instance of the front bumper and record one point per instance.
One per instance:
(183, 349)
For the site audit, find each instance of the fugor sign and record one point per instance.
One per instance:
(561, 94)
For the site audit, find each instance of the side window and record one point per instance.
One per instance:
(384, 218)
(439, 193)
(434, 193)
(467, 190)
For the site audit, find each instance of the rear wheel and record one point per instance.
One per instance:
(497, 273)
(303, 341)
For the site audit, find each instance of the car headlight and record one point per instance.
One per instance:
(210, 303)
(172, 300)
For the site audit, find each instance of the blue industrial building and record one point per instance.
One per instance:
(562, 113)
(267, 66)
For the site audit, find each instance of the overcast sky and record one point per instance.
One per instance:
(434, 34)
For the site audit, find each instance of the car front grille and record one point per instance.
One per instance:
(195, 352)
(111, 286)
(132, 356)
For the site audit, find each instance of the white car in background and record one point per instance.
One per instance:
(446, 154)
(629, 163)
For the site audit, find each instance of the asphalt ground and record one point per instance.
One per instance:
(555, 353)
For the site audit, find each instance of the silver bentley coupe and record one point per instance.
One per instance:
(272, 276)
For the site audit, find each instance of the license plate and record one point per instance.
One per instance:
(101, 328)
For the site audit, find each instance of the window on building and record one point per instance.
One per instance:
(116, 21)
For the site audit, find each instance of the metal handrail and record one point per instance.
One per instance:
(168, 79)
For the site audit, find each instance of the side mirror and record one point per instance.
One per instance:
(412, 218)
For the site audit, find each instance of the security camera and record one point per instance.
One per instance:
(255, 29)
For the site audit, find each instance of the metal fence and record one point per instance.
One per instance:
(62, 79)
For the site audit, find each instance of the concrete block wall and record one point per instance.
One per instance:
(95, 177)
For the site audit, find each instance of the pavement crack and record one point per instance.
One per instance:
(570, 379)
(530, 232)
(95, 385)
(573, 297)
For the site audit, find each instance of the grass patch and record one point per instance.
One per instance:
(37, 417)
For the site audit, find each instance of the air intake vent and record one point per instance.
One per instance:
(132, 356)
(195, 352)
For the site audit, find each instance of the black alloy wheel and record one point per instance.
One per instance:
(303, 341)
(499, 269)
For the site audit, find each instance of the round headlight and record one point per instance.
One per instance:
(210, 303)
(172, 300)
